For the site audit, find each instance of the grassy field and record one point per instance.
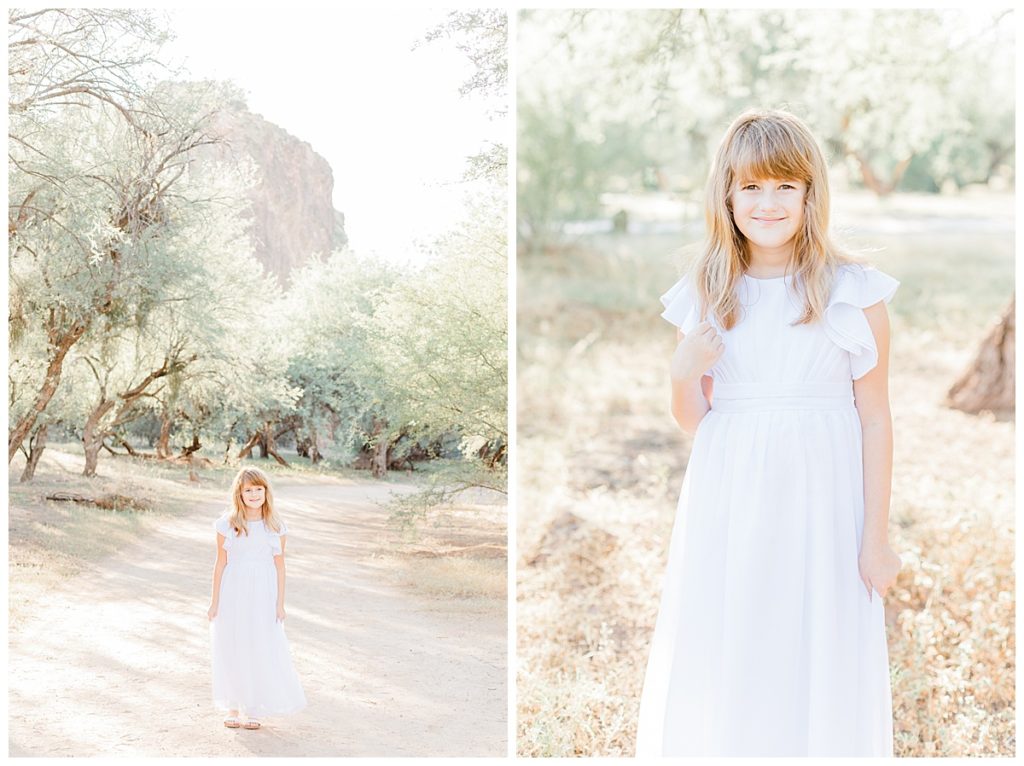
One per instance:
(600, 462)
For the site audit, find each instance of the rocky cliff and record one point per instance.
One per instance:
(293, 215)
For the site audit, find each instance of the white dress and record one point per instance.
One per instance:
(252, 666)
(766, 643)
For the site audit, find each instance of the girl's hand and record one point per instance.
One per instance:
(213, 611)
(697, 352)
(280, 613)
(878, 566)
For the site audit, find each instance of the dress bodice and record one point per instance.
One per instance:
(260, 545)
(765, 347)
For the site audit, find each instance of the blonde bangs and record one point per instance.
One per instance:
(252, 476)
(764, 149)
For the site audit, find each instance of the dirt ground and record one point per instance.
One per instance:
(115, 660)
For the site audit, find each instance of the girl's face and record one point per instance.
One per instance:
(769, 213)
(253, 496)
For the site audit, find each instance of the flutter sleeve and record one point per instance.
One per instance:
(275, 538)
(682, 305)
(223, 525)
(857, 287)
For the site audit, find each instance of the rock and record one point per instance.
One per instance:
(292, 208)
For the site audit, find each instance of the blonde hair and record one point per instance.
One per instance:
(766, 143)
(237, 517)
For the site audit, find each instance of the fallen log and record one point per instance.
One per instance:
(112, 502)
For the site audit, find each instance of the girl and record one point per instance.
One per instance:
(252, 667)
(770, 639)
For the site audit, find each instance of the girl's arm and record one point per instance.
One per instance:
(879, 564)
(690, 398)
(218, 570)
(279, 563)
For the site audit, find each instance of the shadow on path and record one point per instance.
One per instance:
(117, 661)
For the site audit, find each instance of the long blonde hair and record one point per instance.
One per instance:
(766, 143)
(237, 518)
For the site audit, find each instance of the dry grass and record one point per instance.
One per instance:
(458, 553)
(600, 464)
(49, 540)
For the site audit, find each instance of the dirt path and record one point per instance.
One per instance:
(116, 661)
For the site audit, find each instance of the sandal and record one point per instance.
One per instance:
(252, 723)
(233, 722)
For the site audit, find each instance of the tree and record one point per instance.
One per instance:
(440, 344)
(116, 403)
(61, 58)
(96, 160)
(988, 383)
(328, 306)
(483, 39)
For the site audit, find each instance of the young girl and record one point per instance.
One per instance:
(252, 667)
(770, 639)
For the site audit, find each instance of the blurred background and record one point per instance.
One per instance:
(619, 113)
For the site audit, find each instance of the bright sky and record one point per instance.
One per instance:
(388, 120)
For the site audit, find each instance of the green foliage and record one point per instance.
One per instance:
(447, 483)
(130, 251)
(379, 353)
(481, 34)
(109, 225)
(440, 335)
(324, 318)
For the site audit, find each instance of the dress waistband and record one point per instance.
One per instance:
(749, 397)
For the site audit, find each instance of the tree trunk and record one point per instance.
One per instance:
(92, 437)
(988, 384)
(379, 459)
(873, 182)
(268, 445)
(36, 445)
(493, 452)
(314, 447)
(195, 446)
(274, 454)
(64, 344)
(189, 453)
(92, 455)
(246, 450)
(163, 449)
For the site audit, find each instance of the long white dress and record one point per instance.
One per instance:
(766, 642)
(252, 665)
